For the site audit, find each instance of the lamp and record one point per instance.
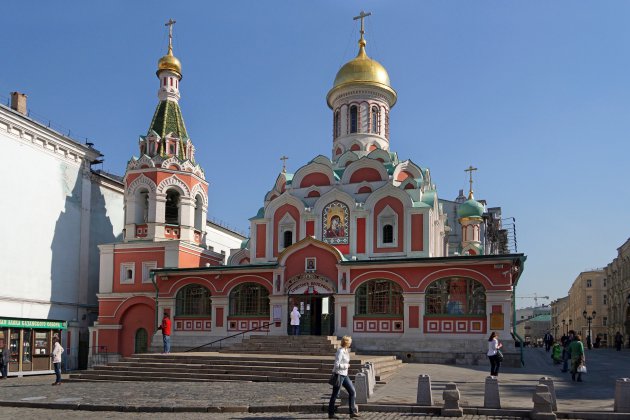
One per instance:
(589, 340)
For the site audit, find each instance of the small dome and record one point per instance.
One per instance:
(363, 70)
(470, 208)
(170, 62)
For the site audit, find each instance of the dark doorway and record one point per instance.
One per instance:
(142, 341)
(317, 316)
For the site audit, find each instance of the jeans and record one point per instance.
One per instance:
(167, 343)
(57, 372)
(346, 383)
(3, 370)
(495, 364)
(296, 329)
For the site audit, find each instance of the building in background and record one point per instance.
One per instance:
(532, 323)
(587, 298)
(559, 317)
(617, 278)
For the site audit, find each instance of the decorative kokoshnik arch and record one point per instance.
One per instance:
(309, 283)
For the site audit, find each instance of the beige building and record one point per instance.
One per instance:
(617, 275)
(588, 294)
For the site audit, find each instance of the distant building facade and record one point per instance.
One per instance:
(617, 276)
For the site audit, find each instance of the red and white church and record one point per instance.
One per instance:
(356, 241)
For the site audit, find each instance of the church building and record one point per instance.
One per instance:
(356, 241)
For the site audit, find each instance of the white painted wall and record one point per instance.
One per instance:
(220, 239)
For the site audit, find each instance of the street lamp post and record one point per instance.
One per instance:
(589, 338)
(563, 329)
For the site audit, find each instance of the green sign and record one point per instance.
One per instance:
(33, 323)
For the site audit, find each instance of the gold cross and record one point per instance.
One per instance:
(470, 172)
(362, 16)
(284, 163)
(170, 24)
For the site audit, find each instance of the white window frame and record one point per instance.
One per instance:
(286, 223)
(147, 266)
(387, 217)
(123, 272)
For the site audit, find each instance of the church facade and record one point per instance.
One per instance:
(356, 241)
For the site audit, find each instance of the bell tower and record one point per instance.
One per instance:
(166, 194)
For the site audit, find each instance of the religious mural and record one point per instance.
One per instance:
(335, 222)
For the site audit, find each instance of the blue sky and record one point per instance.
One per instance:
(535, 94)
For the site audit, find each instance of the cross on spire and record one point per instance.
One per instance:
(362, 16)
(470, 171)
(170, 24)
(284, 163)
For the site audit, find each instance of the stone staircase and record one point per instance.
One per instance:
(256, 359)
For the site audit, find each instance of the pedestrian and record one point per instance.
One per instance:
(577, 357)
(4, 360)
(342, 363)
(295, 321)
(556, 353)
(566, 351)
(618, 341)
(589, 341)
(548, 340)
(494, 354)
(166, 333)
(56, 359)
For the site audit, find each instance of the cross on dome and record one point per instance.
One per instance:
(362, 16)
(284, 163)
(170, 24)
(470, 171)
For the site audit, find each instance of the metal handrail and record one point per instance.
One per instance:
(230, 336)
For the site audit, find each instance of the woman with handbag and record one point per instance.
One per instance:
(340, 378)
(577, 358)
(494, 354)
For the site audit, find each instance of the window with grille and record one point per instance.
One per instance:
(605, 300)
(374, 127)
(337, 123)
(354, 119)
(249, 299)
(455, 296)
(193, 300)
(589, 283)
(388, 234)
(379, 297)
(589, 300)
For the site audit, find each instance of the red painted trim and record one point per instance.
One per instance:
(361, 235)
(261, 240)
(414, 317)
(344, 316)
(417, 232)
(219, 317)
(310, 227)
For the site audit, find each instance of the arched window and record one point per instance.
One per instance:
(288, 238)
(456, 296)
(142, 206)
(249, 299)
(374, 127)
(198, 213)
(337, 124)
(354, 119)
(171, 209)
(193, 300)
(388, 234)
(379, 297)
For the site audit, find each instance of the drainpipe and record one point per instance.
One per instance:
(157, 292)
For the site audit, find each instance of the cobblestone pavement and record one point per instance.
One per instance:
(38, 413)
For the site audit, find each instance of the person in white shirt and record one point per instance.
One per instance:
(295, 320)
(342, 363)
(56, 359)
(493, 354)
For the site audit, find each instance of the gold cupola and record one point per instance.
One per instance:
(362, 70)
(169, 61)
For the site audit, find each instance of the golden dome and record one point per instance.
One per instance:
(170, 62)
(362, 70)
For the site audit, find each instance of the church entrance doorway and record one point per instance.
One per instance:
(316, 314)
(141, 341)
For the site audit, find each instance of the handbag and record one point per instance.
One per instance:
(499, 356)
(335, 380)
(581, 368)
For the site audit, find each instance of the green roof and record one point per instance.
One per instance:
(470, 208)
(168, 119)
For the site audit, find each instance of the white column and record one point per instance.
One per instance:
(413, 299)
(283, 302)
(216, 303)
(348, 302)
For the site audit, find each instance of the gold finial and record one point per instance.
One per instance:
(470, 172)
(362, 41)
(170, 24)
(284, 164)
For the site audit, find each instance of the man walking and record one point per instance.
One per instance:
(166, 333)
(4, 361)
(566, 353)
(56, 359)
(295, 320)
(548, 340)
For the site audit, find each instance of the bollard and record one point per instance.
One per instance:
(371, 378)
(545, 380)
(424, 396)
(622, 395)
(543, 408)
(491, 398)
(361, 387)
(451, 406)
